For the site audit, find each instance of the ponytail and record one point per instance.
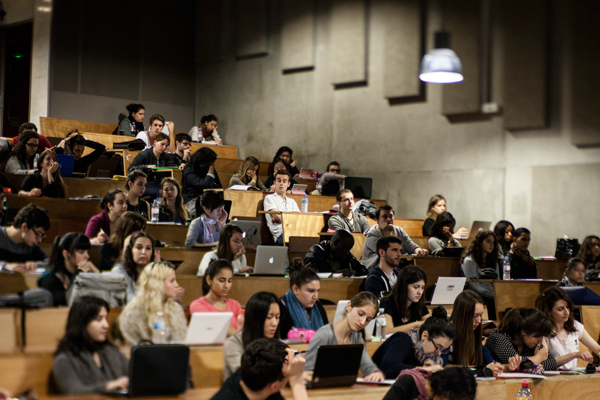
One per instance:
(438, 325)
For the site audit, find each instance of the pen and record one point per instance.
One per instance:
(299, 352)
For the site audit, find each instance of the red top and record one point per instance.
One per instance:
(203, 305)
(43, 145)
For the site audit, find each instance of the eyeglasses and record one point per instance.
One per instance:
(335, 171)
(32, 145)
(39, 235)
(439, 349)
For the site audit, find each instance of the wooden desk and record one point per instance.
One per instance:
(232, 165)
(302, 224)
(412, 227)
(230, 152)
(77, 187)
(59, 127)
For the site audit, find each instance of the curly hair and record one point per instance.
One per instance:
(20, 149)
(585, 251)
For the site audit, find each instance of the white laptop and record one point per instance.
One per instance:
(299, 189)
(270, 260)
(339, 313)
(251, 231)
(306, 173)
(446, 290)
(208, 328)
(476, 227)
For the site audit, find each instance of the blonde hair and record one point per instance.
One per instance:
(181, 211)
(248, 163)
(432, 202)
(150, 292)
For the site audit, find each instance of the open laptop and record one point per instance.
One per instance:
(66, 163)
(339, 313)
(336, 365)
(361, 187)
(106, 166)
(476, 227)
(446, 290)
(299, 189)
(306, 173)
(270, 260)
(251, 231)
(208, 328)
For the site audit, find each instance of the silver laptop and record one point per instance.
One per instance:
(339, 313)
(251, 231)
(299, 189)
(478, 226)
(446, 290)
(306, 173)
(208, 328)
(270, 260)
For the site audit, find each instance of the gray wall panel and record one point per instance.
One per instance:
(348, 43)
(208, 31)
(65, 45)
(250, 18)
(297, 34)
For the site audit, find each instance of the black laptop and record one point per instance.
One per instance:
(336, 365)
(361, 187)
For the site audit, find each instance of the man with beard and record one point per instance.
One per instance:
(382, 278)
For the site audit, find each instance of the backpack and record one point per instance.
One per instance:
(110, 287)
(366, 208)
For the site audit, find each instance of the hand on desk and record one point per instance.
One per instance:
(119, 383)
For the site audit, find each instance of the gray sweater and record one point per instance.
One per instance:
(119, 269)
(370, 258)
(19, 253)
(436, 245)
(471, 270)
(14, 166)
(358, 224)
(232, 355)
(78, 373)
(326, 336)
(236, 180)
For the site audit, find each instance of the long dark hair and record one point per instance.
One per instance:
(109, 198)
(77, 339)
(527, 320)
(127, 224)
(56, 175)
(476, 251)
(585, 251)
(128, 262)
(214, 267)
(546, 301)
(437, 230)
(399, 294)
(201, 160)
(224, 248)
(467, 346)
(301, 275)
(438, 325)
(445, 384)
(19, 150)
(500, 231)
(255, 315)
(70, 242)
(211, 199)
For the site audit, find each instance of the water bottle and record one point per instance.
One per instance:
(380, 324)
(304, 207)
(35, 161)
(240, 321)
(524, 393)
(506, 268)
(159, 331)
(155, 211)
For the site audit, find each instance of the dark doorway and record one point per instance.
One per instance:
(17, 76)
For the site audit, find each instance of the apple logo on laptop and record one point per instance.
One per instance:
(271, 260)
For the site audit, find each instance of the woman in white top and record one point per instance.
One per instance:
(567, 332)
(230, 248)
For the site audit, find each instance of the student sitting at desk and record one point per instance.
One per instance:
(46, 180)
(382, 278)
(419, 347)
(436, 206)
(216, 284)
(574, 273)
(504, 231)
(278, 165)
(348, 330)
(589, 252)
(345, 218)
(207, 227)
(467, 347)
(22, 160)
(335, 256)
(44, 143)
(278, 201)
(567, 333)
(521, 338)
(157, 122)
(416, 384)
(261, 320)
(522, 265)
(480, 261)
(19, 243)
(101, 225)
(76, 145)
(69, 256)
(182, 153)
(206, 131)
(404, 306)
(85, 361)
(230, 248)
(128, 224)
(248, 175)
(136, 186)
(384, 228)
(267, 366)
(302, 306)
(329, 183)
(154, 156)
(285, 153)
(156, 290)
(442, 234)
(199, 174)
(134, 123)
(171, 204)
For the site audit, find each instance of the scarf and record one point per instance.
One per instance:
(298, 313)
(418, 349)
(419, 375)
(524, 255)
(138, 126)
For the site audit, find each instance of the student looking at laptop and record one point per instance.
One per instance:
(385, 227)
(230, 248)
(278, 164)
(345, 218)
(46, 180)
(382, 278)
(261, 320)
(75, 144)
(436, 206)
(278, 201)
(348, 330)
(216, 284)
(442, 234)
(334, 256)
(267, 366)
(213, 217)
(85, 361)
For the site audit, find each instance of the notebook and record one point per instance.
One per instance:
(66, 163)
(270, 260)
(251, 231)
(446, 290)
(208, 328)
(339, 313)
(336, 365)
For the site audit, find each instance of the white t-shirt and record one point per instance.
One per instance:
(559, 347)
(145, 137)
(273, 201)
(392, 278)
(212, 255)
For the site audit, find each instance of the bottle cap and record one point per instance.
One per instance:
(381, 310)
(525, 383)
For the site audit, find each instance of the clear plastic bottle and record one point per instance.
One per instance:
(506, 268)
(159, 333)
(155, 211)
(304, 207)
(35, 161)
(380, 323)
(524, 393)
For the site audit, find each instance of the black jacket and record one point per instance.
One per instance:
(194, 184)
(320, 258)
(146, 157)
(54, 190)
(378, 283)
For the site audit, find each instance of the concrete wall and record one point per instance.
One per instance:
(17, 11)
(535, 178)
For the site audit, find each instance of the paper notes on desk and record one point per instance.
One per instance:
(386, 382)
(518, 375)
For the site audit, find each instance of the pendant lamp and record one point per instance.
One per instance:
(441, 64)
